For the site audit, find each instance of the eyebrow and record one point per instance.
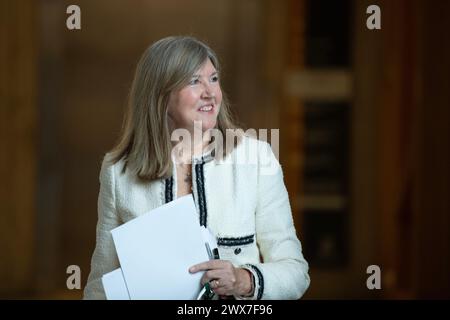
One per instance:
(212, 74)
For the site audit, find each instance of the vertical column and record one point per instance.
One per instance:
(50, 273)
(18, 128)
(432, 155)
(291, 113)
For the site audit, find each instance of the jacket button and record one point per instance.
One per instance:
(237, 250)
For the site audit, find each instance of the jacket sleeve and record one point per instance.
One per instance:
(104, 258)
(283, 274)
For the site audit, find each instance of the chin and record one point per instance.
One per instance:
(208, 126)
(208, 123)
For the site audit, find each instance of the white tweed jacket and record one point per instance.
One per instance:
(242, 200)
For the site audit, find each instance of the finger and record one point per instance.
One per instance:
(215, 283)
(222, 291)
(211, 264)
(211, 275)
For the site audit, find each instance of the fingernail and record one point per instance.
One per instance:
(191, 269)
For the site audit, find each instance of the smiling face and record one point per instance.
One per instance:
(199, 100)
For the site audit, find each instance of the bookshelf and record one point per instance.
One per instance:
(318, 87)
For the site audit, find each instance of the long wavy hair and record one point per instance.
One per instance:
(166, 65)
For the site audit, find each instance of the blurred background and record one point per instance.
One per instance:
(363, 118)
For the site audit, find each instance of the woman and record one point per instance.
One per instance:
(176, 87)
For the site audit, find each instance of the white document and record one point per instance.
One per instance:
(208, 237)
(156, 250)
(114, 282)
(114, 285)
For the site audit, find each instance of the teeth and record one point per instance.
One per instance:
(206, 108)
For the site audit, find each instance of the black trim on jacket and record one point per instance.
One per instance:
(260, 281)
(169, 190)
(229, 242)
(200, 180)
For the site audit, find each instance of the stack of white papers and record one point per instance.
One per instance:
(155, 252)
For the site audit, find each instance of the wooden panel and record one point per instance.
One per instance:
(17, 139)
(51, 86)
(432, 183)
(413, 150)
(364, 210)
(393, 162)
(291, 113)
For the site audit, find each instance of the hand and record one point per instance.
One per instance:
(224, 278)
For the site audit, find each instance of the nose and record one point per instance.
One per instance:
(208, 92)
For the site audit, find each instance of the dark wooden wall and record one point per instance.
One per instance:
(63, 94)
(18, 155)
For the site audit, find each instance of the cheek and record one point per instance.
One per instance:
(219, 96)
(188, 100)
(182, 104)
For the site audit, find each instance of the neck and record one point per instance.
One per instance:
(194, 147)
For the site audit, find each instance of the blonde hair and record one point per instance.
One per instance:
(165, 66)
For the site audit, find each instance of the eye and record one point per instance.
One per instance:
(194, 81)
(215, 78)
